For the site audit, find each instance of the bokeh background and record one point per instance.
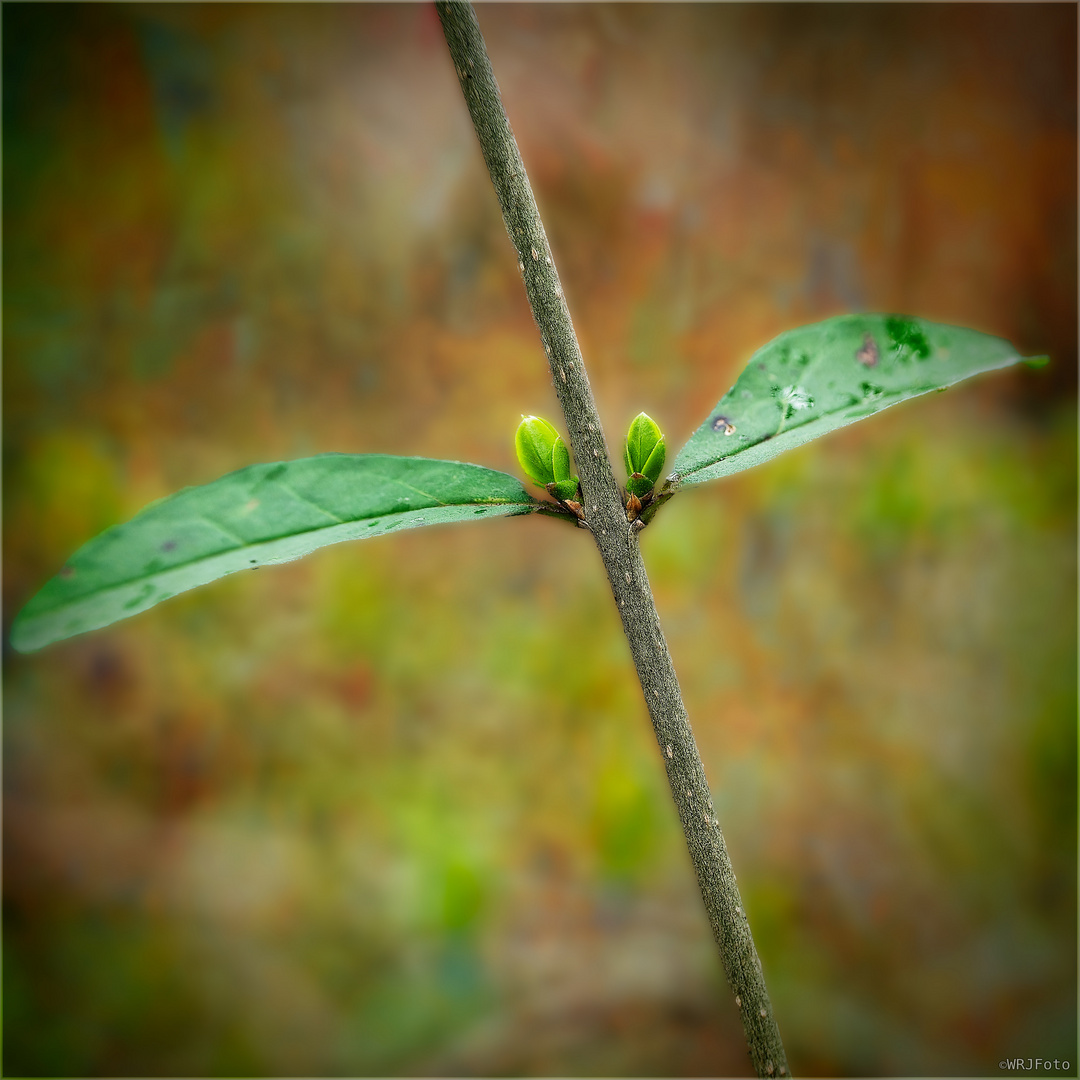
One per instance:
(397, 808)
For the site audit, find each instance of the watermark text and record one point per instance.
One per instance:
(1034, 1064)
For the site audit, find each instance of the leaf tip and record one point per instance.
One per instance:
(22, 638)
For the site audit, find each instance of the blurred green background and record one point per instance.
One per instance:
(397, 808)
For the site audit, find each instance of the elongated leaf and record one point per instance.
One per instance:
(810, 381)
(253, 517)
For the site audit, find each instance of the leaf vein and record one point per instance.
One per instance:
(131, 581)
(224, 530)
(314, 505)
(419, 491)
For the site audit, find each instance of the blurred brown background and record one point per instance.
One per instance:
(396, 808)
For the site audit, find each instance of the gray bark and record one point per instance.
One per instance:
(617, 542)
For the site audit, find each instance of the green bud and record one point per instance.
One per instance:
(544, 457)
(644, 455)
(534, 442)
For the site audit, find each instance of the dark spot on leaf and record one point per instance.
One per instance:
(868, 354)
(478, 511)
(372, 524)
(906, 335)
(169, 545)
(804, 359)
(870, 391)
(153, 566)
(67, 572)
(722, 423)
(252, 562)
(275, 472)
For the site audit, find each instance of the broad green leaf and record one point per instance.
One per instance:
(810, 381)
(253, 517)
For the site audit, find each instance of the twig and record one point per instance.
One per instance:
(617, 542)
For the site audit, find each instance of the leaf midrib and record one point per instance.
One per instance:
(114, 585)
(680, 476)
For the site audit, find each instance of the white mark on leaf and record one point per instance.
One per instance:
(793, 398)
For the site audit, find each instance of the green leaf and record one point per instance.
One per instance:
(810, 381)
(254, 517)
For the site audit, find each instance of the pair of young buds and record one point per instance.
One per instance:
(546, 460)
